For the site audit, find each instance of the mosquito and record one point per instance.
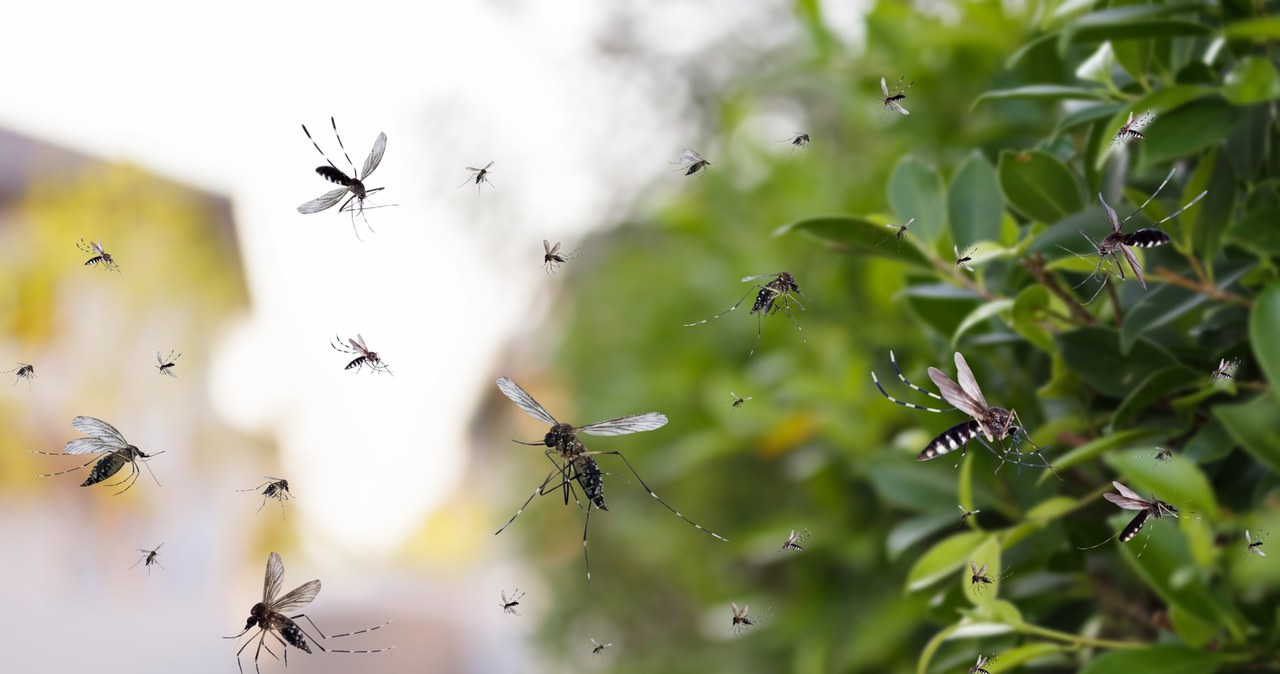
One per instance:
(599, 647)
(1130, 500)
(988, 424)
(793, 541)
(269, 617)
(1164, 454)
(980, 577)
(1130, 128)
(552, 258)
(276, 488)
(509, 605)
(893, 99)
(100, 255)
(741, 620)
(983, 661)
(113, 450)
(965, 514)
(1226, 369)
(481, 175)
(23, 371)
(149, 556)
(363, 356)
(353, 184)
(962, 261)
(166, 365)
(781, 288)
(1255, 546)
(797, 140)
(573, 462)
(900, 233)
(691, 162)
(737, 401)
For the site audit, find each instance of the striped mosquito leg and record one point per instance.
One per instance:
(64, 472)
(951, 439)
(586, 558)
(735, 306)
(540, 491)
(659, 499)
(913, 406)
(903, 378)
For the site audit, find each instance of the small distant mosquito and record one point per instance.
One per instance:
(1226, 369)
(983, 661)
(1164, 454)
(691, 162)
(737, 402)
(149, 556)
(797, 140)
(793, 541)
(114, 453)
(741, 620)
(363, 356)
(23, 371)
(509, 605)
(899, 234)
(599, 647)
(965, 514)
(269, 617)
(1130, 128)
(988, 424)
(552, 258)
(166, 365)
(1255, 546)
(980, 577)
(100, 255)
(480, 175)
(573, 462)
(892, 99)
(781, 288)
(1129, 499)
(353, 184)
(962, 261)
(276, 488)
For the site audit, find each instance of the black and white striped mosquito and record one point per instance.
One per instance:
(741, 620)
(1130, 129)
(900, 233)
(982, 662)
(1226, 369)
(573, 462)
(1255, 546)
(691, 162)
(100, 255)
(149, 556)
(552, 258)
(353, 184)
(962, 261)
(797, 140)
(893, 98)
(275, 488)
(598, 648)
(269, 617)
(737, 401)
(509, 604)
(793, 541)
(166, 365)
(965, 514)
(1131, 500)
(783, 288)
(979, 579)
(363, 356)
(478, 176)
(988, 424)
(113, 451)
(1163, 454)
(23, 371)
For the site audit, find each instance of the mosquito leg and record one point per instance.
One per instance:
(367, 629)
(735, 306)
(63, 472)
(586, 558)
(759, 333)
(344, 150)
(540, 491)
(903, 378)
(313, 626)
(787, 311)
(658, 498)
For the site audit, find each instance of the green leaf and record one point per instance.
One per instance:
(1187, 130)
(943, 559)
(859, 236)
(974, 204)
(1256, 232)
(943, 307)
(1166, 659)
(1264, 332)
(1160, 102)
(1253, 425)
(916, 191)
(1047, 92)
(1262, 28)
(1029, 312)
(1086, 115)
(1161, 384)
(1121, 439)
(1038, 185)
(1094, 353)
(1013, 658)
(1251, 80)
(980, 314)
(1202, 224)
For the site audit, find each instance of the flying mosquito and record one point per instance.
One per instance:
(979, 579)
(573, 462)
(100, 255)
(900, 233)
(781, 288)
(1117, 244)
(166, 365)
(691, 162)
(269, 617)
(353, 184)
(983, 661)
(741, 620)
(1226, 369)
(965, 514)
(598, 648)
(363, 356)
(1130, 128)
(276, 488)
(1130, 500)
(962, 261)
(988, 424)
(509, 605)
(737, 402)
(113, 450)
(793, 541)
(1255, 546)
(149, 556)
(893, 99)
(797, 140)
(1164, 454)
(479, 175)
(552, 258)
(23, 371)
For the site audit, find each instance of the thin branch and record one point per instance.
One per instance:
(1036, 268)
(1207, 289)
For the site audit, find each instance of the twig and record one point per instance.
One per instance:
(1206, 289)
(1036, 268)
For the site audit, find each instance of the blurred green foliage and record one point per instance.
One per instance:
(1007, 146)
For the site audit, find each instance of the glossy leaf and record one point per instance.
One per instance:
(944, 559)
(974, 204)
(1094, 353)
(1264, 332)
(859, 236)
(915, 191)
(1187, 130)
(1046, 92)
(1253, 79)
(1038, 185)
(1166, 659)
(1253, 425)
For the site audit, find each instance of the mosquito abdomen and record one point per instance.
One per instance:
(1147, 238)
(293, 634)
(105, 467)
(591, 480)
(333, 175)
(951, 439)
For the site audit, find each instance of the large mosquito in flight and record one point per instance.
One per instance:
(573, 462)
(783, 288)
(115, 452)
(353, 184)
(1129, 499)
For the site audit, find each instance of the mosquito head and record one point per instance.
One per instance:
(560, 433)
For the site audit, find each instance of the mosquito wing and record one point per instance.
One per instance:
(974, 567)
(982, 572)
(688, 156)
(759, 276)
(967, 382)
(101, 430)
(884, 87)
(298, 597)
(1111, 214)
(952, 393)
(375, 155)
(1127, 492)
(526, 402)
(634, 423)
(358, 343)
(325, 201)
(1247, 539)
(97, 247)
(897, 107)
(274, 579)
(1133, 264)
(486, 166)
(87, 446)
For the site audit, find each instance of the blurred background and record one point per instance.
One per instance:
(172, 135)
